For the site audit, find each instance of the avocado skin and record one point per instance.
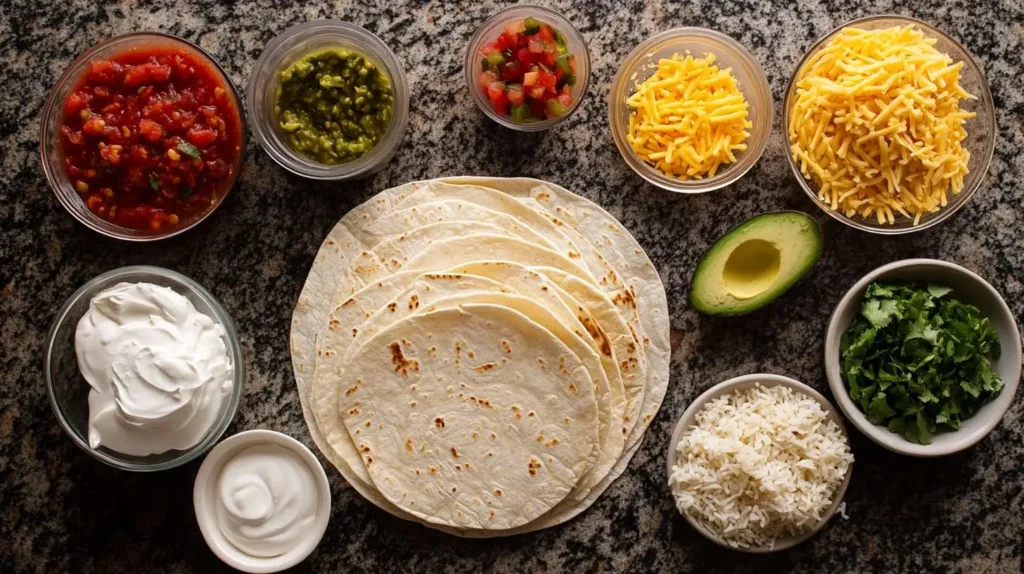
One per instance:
(782, 283)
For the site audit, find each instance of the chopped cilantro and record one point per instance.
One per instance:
(188, 149)
(154, 182)
(918, 361)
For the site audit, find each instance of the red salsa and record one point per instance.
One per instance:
(527, 73)
(150, 137)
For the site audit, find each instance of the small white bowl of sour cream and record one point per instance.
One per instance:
(262, 501)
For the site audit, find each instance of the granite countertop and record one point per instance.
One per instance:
(60, 510)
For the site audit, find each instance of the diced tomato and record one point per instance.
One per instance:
(566, 89)
(515, 94)
(572, 63)
(536, 45)
(526, 57)
(487, 78)
(147, 74)
(548, 59)
(546, 79)
(512, 71)
(530, 78)
(536, 92)
(566, 99)
(201, 138)
(102, 72)
(546, 34)
(76, 102)
(490, 48)
(506, 41)
(499, 99)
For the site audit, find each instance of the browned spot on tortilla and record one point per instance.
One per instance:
(439, 422)
(647, 341)
(543, 196)
(414, 302)
(408, 444)
(475, 434)
(497, 492)
(358, 431)
(432, 469)
(552, 442)
(432, 351)
(349, 301)
(532, 466)
(334, 323)
(352, 389)
(470, 354)
(485, 367)
(625, 298)
(631, 347)
(518, 414)
(417, 471)
(355, 411)
(412, 404)
(543, 365)
(647, 418)
(329, 242)
(368, 424)
(364, 448)
(395, 262)
(506, 346)
(484, 403)
(493, 436)
(369, 460)
(491, 517)
(355, 332)
(574, 255)
(402, 365)
(392, 306)
(531, 414)
(566, 420)
(597, 333)
(629, 364)
(540, 437)
(572, 388)
(458, 467)
(455, 453)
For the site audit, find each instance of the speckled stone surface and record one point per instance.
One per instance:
(62, 511)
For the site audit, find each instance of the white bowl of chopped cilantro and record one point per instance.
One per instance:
(923, 356)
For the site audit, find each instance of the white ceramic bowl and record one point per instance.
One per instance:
(969, 288)
(738, 384)
(204, 498)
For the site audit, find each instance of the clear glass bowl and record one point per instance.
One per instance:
(728, 53)
(53, 111)
(286, 49)
(493, 27)
(69, 392)
(981, 131)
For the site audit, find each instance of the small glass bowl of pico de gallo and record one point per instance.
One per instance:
(142, 136)
(527, 68)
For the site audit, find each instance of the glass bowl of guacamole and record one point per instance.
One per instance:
(328, 101)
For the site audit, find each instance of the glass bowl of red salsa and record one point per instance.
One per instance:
(527, 68)
(142, 136)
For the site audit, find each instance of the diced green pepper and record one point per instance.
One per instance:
(483, 65)
(569, 78)
(563, 46)
(562, 62)
(532, 25)
(495, 60)
(520, 113)
(556, 108)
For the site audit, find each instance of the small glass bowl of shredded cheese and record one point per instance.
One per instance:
(690, 110)
(890, 125)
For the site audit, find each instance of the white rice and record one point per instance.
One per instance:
(759, 465)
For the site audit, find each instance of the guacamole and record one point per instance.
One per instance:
(334, 105)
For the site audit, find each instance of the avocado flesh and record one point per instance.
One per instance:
(754, 263)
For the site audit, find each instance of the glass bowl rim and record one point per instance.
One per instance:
(231, 338)
(297, 164)
(733, 172)
(984, 98)
(73, 72)
(564, 25)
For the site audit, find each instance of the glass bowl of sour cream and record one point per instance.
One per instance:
(143, 368)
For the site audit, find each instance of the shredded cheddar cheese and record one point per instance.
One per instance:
(689, 117)
(877, 124)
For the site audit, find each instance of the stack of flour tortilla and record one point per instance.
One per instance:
(480, 355)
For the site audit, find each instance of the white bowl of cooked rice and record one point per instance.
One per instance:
(759, 463)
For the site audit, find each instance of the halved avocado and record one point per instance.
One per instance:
(754, 263)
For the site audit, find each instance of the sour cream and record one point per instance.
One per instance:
(267, 500)
(160, 370)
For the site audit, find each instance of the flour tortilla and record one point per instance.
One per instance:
(595, 224)
(489, 442)
(545, 313)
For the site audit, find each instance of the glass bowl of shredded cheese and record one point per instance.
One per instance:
(890, 125)
(690, 110)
